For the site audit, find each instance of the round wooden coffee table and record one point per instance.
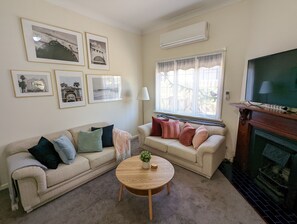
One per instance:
(144, 182)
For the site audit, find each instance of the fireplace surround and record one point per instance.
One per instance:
(267, 151)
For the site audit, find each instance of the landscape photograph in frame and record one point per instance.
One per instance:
(50, 44)
(103, 88)
(31, 83)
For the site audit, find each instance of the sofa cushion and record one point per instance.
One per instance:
(98, 158)
(65, 149)
(66, 172)
(170, 129)
(184, 152)
(156, 126)
(200, 136)
(186, 135)
(90, 141)
(158, 143)
(45, 153)
(107, 140)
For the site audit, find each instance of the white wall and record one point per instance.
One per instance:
(21, 118)
(248, 29)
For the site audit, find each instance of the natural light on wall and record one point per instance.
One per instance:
(191, 86)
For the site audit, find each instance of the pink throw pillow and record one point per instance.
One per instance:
(156, 126)
(170, 129)
(186, 135)
(200, 136)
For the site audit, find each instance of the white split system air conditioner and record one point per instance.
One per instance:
(186, 35)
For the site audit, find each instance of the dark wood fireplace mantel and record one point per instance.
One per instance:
(278, 122)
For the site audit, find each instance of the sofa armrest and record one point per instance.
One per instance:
(144, 131)
(35, 172)
(211, 145)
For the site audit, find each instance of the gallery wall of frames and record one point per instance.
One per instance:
(51, 44)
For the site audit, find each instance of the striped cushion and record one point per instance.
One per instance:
(170, 129)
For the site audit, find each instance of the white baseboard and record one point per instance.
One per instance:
(3, 186)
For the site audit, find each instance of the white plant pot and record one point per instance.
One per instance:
(145, 165)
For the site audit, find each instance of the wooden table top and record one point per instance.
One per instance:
(131, 174)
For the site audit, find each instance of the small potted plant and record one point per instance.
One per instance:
(145, 157)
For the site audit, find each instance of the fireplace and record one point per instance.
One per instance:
(267, 151)
(271, 164)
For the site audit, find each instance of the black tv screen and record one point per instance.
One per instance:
(272, 79)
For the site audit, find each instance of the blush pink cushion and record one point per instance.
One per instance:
(200, 136)
(156, 126)
(186, 135)
(170, 129)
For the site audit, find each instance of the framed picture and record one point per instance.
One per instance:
(70, 87)
(29, 83)
(98, 56)
(45, 43)
(102, 88)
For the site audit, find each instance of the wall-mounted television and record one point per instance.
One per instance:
(272, 79)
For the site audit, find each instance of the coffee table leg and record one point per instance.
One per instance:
(168, 188)
(121, 192)
(150, 204)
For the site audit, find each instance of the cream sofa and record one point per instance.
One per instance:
(203, 161)
(37, 186)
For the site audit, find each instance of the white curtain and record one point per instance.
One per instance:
(185, 64)
(166, 66)
(210, 61)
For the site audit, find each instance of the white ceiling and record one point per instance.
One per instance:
(139, 16)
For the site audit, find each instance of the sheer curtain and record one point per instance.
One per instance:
(190, 86)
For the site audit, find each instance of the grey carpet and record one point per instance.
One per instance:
(193, 199)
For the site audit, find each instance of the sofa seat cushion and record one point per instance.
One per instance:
(65, 172)
(185, 152)
(98, 158)
(158, 143)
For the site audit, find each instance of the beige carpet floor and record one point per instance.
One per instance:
(193, 199)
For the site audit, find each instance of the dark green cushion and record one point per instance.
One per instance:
(45, 153)
(107, 140)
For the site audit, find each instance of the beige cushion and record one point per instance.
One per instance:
(98, 158)
(185, 152)
(158, 142)
(65, 172)
(201, 134)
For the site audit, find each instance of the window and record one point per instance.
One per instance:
(191, 86)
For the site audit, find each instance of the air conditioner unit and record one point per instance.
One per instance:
(186, 35)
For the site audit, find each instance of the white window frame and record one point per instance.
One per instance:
(220, 87)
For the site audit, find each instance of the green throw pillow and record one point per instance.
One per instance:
(90, 141)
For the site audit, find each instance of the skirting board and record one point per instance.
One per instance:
(3, 186)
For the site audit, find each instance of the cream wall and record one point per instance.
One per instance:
(247, 29)
(228, 29)
(26, 117)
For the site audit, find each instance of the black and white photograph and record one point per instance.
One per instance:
(51, 44)
(31, 83)
(70, 88)
(97, 52)
(102, 88)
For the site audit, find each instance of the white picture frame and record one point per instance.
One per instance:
(70, 88)
(31, 83)
(104, 88)
(51, 44)
(98, 54)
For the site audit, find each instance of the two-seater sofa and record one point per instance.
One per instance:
(204, 161)
(37, 186)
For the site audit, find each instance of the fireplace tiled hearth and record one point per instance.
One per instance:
(268, 209)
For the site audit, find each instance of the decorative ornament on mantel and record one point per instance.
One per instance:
(145, 157)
